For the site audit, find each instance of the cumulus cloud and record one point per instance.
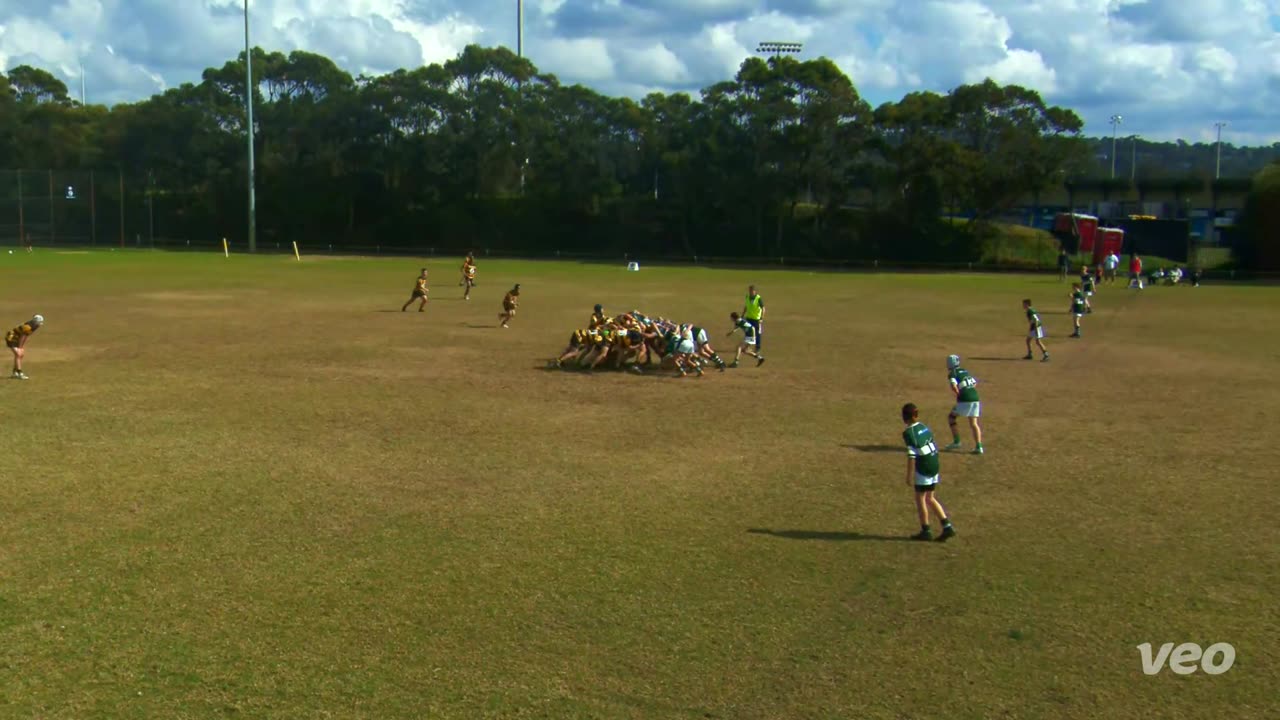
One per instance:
(1171, 68)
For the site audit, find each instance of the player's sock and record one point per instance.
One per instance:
(955, 438)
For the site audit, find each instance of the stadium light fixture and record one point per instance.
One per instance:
(774, 49)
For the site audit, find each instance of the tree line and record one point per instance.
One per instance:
(785, 159)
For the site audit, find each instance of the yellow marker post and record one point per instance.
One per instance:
(295, 251)
(225, 251)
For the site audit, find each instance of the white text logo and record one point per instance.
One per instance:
(1183, 659)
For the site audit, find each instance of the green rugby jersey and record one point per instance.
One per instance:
(1033, 317)
(966, 384)
(1077, 301)
(919, 440)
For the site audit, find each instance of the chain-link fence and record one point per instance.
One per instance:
(83, 208)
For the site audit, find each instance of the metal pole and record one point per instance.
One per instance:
(520, 28)
(22, 222)
(1217, 173)
(248, 102)
(1133, 161)
(82, 83)
(121, 171)
(151, 206)
(1114, 127)
(53, 227)
(93, 211)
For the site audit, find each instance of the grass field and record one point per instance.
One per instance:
(253, 488)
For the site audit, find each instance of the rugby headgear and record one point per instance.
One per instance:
(953, 362)
(38, 320)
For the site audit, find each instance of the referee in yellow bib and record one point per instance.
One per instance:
(753, 312)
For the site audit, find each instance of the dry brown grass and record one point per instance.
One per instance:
(245, 488)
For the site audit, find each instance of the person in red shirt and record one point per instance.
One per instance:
(1135, 271)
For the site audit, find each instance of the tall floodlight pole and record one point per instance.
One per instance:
(82, 83)
(1133, 159)
(248, 104)
(1217, 173)
(1116, 120)
(520, 28)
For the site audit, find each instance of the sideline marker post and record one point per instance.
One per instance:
(295, 251)
(226, 252)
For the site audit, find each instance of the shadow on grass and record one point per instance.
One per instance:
(877, 448)
(830, 536)
(997, 359)
(474, 326)
(649, 372)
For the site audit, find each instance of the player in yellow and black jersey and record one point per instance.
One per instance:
(419, 293)
(509, 303)
(16, 340)
(468, 275)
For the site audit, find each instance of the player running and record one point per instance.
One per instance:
(753, 312)
(1087, 284)
(1079, 306)
(16, 340)
(468, 275)
(922, 474)
(1035, 331)
(965, 388)
(509, 303)
(419, 293)
(750, 340)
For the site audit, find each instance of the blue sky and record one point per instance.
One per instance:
(1170, 67)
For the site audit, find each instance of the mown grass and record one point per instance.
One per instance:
(252, 487)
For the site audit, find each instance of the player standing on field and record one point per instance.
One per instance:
(1111, 262)
(965, 388)
(1079, 306)
(1035, 331)
(753, 312)
(922, 474)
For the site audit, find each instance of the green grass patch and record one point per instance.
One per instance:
(253, 487)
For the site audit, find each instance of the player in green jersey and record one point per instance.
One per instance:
(922, 474)
(1079, 306)
(1035, 332)
(965, 387)
(1087, 285)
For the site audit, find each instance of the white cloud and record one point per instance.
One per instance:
(657, 63)
(1170, 67)
(583, 58)
(1018, 67)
